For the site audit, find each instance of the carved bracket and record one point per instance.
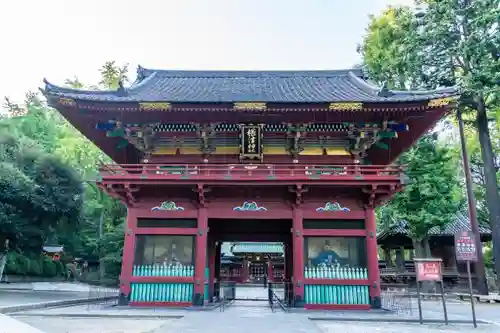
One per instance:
(298, 190)
(206, 132)
(201, 190)
(295, 135)
(378, 194)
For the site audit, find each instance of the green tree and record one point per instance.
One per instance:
(433, 196)
(46, 147)
(113, 75)
(447, 42)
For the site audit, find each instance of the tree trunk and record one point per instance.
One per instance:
(102, 268)
(419, 250)
(427, 286)
(3, 262)
(492, 196)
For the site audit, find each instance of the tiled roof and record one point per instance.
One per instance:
(257, 248)
(53, 249)
(461, 223)
(322, 86)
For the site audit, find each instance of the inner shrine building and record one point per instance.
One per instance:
(296, 157)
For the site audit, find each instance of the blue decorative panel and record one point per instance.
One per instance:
(250, 206)
(332, 207)
(168, 205)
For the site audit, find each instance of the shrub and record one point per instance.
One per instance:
(49, 267)
(35, 268)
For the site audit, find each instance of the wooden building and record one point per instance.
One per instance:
(252, 262)
(297, 157)
(397, 251)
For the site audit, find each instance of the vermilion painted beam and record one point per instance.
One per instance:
(339, 282)
(162, 279)
(166, 231)
(335, 232)
(149, 214)
(274, 214)
(352, 215)
(337, 306)
(251, 182)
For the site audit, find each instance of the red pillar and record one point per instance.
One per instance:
(298, 256)
(201, 257)
(128, 256)
(371, 249)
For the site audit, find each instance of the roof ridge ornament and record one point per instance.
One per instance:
(140, 73)
(384, 91)
(121, 91)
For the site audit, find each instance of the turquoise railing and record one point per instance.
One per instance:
(161, 292)
(335, 272)
(333, 294)
(162, 270)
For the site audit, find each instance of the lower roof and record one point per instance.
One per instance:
(461, 223)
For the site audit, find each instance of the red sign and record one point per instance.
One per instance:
(428, 269)
(465, 246)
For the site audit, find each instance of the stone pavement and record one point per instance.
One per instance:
(249, 316)
(22, 297)
(240, 317)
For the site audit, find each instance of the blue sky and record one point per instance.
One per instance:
(59, 39)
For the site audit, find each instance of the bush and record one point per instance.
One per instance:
(19, 264)
(49, 268)
(35, 268)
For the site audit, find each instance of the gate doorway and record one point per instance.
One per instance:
(251, 255)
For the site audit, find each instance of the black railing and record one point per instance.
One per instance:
(102, 293)
(398, 300)
(280, 294)
(225, 293)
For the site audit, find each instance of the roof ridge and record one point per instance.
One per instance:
(145, 72)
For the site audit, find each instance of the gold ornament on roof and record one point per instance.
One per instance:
(67, 101)
(345, 106)
(250, 106)
(441, 101)
(155, 106)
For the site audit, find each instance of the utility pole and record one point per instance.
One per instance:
(481, 284)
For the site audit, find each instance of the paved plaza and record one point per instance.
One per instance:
(245, 316)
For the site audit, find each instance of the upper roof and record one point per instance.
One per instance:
(320, 86)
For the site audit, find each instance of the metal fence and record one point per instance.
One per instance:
(226, 294)
(280, 294)
(102, 293)
(398, 299)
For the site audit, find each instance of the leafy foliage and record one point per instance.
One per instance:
(47, 193)
(433, 196)
(448, 42)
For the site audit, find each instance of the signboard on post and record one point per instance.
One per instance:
(465, 246)
(429, 269)
(466, 250)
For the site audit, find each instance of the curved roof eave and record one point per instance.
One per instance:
(381, 90)
(304, 87)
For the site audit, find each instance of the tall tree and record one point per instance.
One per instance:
(433, 196)
(447, 42)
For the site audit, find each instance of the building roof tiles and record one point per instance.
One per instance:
(319, 86)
